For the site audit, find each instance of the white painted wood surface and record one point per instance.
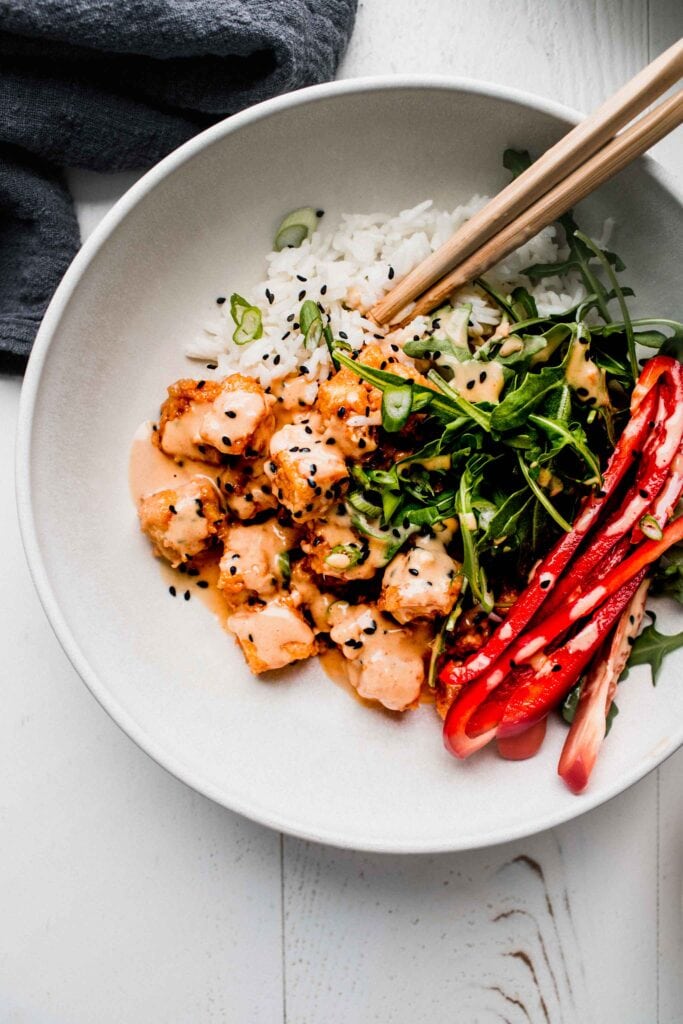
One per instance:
(125, 897)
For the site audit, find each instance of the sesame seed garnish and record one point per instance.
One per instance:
(233, 570)
(251, 637)
(323, 289)
(482, 376)
(362, 443)
(390, 273)
(269, 296)
(319, 213)
(300, 277)
(557, 668)
(220, 300)
(307, 430)
(186, 595)
(309, 508)
(172, 591)
(383, 365)
(470, 384)
(172, 509)
(191, 570)
(276, 360)
(414, 572)
(330, 440)
(341, 412)
(290, 317)
(302, 294)
(643, 494)
(226, 441)
(394, 348)
(249, 498)
(212, 366)
(344, 335)
(265, 357)
(203, 584)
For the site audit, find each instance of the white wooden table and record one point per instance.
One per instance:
(125, 898)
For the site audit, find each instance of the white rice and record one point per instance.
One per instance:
(354, 261)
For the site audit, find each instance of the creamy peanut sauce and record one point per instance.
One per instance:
(479, 382)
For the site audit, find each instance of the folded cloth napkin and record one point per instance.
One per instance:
(114, 85)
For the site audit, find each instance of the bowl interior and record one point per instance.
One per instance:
(296, 752)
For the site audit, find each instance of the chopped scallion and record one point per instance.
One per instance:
(396, 405)
(296, 226)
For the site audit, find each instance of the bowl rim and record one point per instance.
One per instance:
(169, 760)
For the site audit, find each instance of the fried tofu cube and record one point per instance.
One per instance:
(272, 636)
(207, 419)
(246, 490)
(183, 521)
(351, 410)
(386, 661)
(306, 469)
(251, 558)
(422, 583)
(335, 549)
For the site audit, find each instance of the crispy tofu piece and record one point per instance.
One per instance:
(250, 560)
(361, 557)
(273, 635)
(351, 411)
(306, 595)
(307, 470)
(422, 583)
(386, 661)
(206, 419)
(183, 521)
(246, 490)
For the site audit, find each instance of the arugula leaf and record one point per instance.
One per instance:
(652, 646)
(573, 437)
(516, 406)
(516, 161)
(668, 577)
(502, 527)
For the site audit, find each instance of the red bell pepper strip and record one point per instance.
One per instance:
(473, 719)
(587, 730)
(651, 372)
(525, 744)
(538, 693)
(554, 563)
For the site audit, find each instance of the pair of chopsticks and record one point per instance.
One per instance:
(586, 157)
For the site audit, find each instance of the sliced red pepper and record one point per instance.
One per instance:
(554, 563)
(650, 374)
(525, 744)
(587, 730)
(538, 694)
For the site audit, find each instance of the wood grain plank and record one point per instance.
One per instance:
(540, 931)
(670, 891)
(125, 896)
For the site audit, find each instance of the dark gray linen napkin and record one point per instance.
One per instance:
(114, 85)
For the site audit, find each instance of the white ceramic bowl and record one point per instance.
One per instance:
(297, 754)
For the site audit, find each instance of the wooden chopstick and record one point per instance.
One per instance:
(577, 146)
(607, 162)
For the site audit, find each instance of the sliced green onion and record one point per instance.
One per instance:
(250, 327)
(650, 528)
(361, 504)
(371, 529)
(390, 502)
(313, 335)
(297, 226)
(396, 405)
(284, 567)
(307, 314)
(351, 552)
(238, 307)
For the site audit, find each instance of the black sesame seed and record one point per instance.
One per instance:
(231, 414)
(313, 470)
(470, 384)
(203, 584)
(226, 441)
(186, 595)
(172, 591)
(172, 509)
(249, 498)
(643, 494)
(323, 289)
(557, 668)
(300, 277)
(272, 467)
(220, 300)
(276, 360)
(191, 570)
(341, 412)
(309, 508)
(330, 440)
(286, 335)
(290, 317)
(303, 369)
(269, 296)
(233, 570)
(250, 637)
(544, 584)
(212, 366)
(302, 294)
(414, 572)
(349, 643)
(265, 357)
(394, 348)
(344, 335)
(319, 213)
(362, 443)
(396, 533)
(390, 273)
(482, 376)
(582, 392)
(304, 450)
(296, 326)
